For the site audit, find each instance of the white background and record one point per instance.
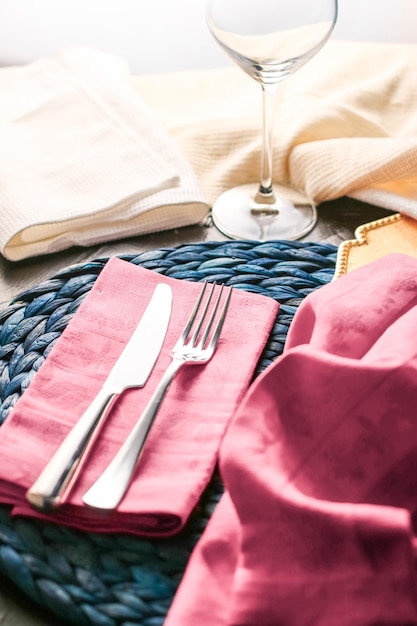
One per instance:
(165, 35)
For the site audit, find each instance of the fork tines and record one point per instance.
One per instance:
(193, 330)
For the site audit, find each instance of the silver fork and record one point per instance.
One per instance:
(196, 345)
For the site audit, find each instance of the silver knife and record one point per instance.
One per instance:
(132, 369)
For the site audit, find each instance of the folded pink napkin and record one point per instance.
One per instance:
(182, 448)
(316, 526)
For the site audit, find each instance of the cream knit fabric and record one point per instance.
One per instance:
(85, 157)
(345, 124)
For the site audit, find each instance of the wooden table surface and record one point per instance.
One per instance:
(337, 222)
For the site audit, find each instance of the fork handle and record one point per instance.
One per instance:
(112, 484)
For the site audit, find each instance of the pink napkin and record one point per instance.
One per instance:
(182, 447)
(316, 526)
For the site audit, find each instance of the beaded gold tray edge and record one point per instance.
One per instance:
(394, 233)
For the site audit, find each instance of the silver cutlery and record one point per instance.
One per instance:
(196, 345)
(132, 369)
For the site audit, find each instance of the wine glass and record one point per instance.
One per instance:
(269, 40)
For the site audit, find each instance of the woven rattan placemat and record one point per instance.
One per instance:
(119, 580)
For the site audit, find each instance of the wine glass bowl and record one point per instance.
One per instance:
(269, 40)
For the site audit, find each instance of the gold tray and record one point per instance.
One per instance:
(395, 233)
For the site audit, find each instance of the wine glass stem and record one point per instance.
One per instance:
(265, 193)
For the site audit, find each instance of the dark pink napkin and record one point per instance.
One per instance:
(320, 466)
(182, 447)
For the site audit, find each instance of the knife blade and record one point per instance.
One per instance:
(132, 369)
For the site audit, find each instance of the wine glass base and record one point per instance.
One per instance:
(291, 217)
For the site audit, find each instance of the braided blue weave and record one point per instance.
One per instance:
(117, 580)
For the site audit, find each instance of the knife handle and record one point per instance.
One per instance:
(48, 490)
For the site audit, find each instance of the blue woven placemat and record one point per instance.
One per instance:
(119, 580)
